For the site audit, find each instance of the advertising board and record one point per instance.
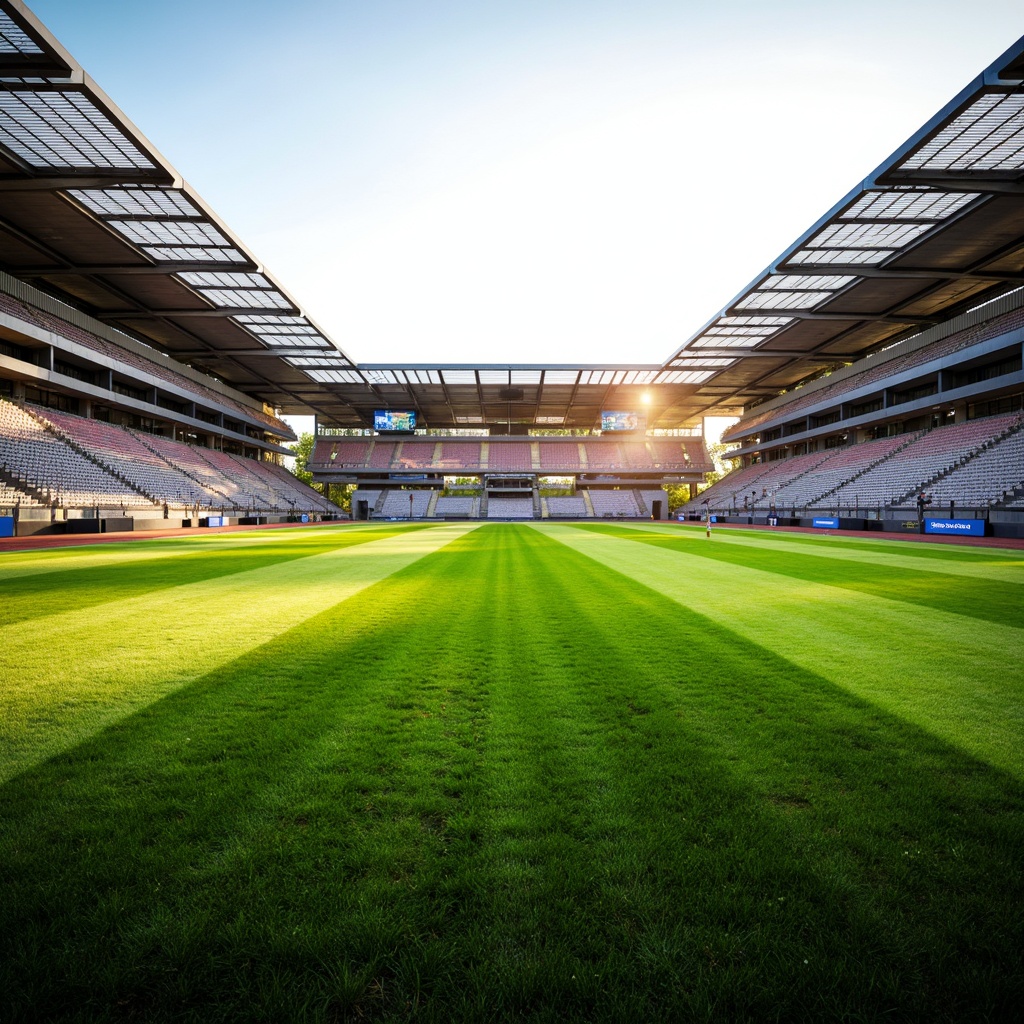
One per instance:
(956, 527)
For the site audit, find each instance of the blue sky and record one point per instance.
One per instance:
(524, 182)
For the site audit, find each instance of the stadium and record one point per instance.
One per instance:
(512, 702)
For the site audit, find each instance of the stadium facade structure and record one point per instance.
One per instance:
(146, 356)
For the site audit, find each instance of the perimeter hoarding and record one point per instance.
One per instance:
(956, 527)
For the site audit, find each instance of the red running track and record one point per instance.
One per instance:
(1015, 543)
(78, 539)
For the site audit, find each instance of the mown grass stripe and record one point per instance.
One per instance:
(979, 598)
(67, 675)
(938, 550)
(1001, 569)
(649, 734)
(34, 596)
(17, 564)
(952, 674)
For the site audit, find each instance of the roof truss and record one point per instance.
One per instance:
(91, 212)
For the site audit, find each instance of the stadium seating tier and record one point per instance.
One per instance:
(82, 463)
(978, 462)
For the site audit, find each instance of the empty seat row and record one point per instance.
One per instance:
(39, 459)
(568, 506)
(617, 504)
(402, 504)
(455, 506)
(75, 462)
(507, 456)
(510, 508)
(978, 462)
(992, 475)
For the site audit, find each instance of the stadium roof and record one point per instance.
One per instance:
(91, 212)
(937, 229)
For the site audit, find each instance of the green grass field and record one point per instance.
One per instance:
(512, 772)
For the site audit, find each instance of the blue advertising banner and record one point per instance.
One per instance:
(825, 523)
(215, 521)
(6, 526)
(304, 518)
(964, 527)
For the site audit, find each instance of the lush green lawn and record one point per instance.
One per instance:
(595, 773)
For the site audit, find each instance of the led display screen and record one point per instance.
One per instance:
(623, 421)
(394, 419)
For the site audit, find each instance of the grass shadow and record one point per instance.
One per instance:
(508, 783)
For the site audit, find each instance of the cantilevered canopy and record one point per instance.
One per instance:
(91, 212)
(473, 397)
(936, 229)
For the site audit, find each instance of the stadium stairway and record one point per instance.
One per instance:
(729, 487)
(814, 465)
(124, 455)
(1012, 498)
(204, 484)
(255, 487)
(16, 483)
